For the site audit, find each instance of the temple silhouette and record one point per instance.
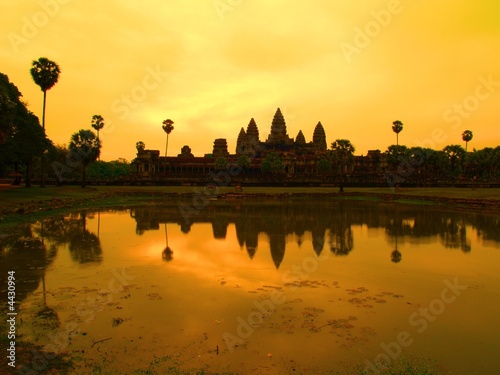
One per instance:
(299, 158)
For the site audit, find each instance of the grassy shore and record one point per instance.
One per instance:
(18, 203)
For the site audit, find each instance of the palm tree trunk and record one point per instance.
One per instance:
(166, 147)
(165, 164)
(84, 176)
(42, 183)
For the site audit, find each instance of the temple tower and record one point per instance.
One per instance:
(241, 142)
(252, 132)
(220, 148)
(278, 130)
(300, 139)
(248, 142)
(319, 137)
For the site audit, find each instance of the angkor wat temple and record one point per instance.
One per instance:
(299, 158)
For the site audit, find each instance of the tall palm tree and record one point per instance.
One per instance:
(343, 154)
(466, 137)
(168, 126)
(397, 127)
(97, 124)
(45, 73)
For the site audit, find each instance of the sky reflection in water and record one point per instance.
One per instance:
(348, 277)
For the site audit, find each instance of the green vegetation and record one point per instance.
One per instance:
(84, 149)
(220, 163)
(18, 205)
(273, 165)
(24, 138)
(343, 157)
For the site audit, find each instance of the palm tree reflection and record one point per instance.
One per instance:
(84, 246)
(341, 237)
(167, 253)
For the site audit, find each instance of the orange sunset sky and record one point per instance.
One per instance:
(212, 65)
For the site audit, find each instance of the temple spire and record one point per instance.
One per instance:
(278, 130)
(300, 139)
(240, 142)
(319, 137)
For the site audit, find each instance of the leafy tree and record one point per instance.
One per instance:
(9, 99)
(343, 155)
(243, 162)
(272, 164)
(85, 149)
(396, 155)
(140, 146)
(30, 141)
(110, 170)
(455, 154)
(45, 73)
(23, 137)
(221, 164)
(485, 163)
(59, 157)
(324, 167)
(467, 137)
(397, 127)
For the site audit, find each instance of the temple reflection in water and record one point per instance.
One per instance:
(329, 224)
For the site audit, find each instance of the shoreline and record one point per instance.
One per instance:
(18, 205)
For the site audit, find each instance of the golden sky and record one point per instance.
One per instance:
(212, 65)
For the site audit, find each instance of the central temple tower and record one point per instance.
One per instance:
(278, 133)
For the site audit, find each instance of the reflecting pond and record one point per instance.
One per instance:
(267, 287)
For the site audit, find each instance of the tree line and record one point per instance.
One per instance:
(25, 149)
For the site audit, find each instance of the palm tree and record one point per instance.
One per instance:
(343, 153)
(168, 126)
(98, 124)
(466, 137)
(84, 148)
(397, 126)
(45, 73)
(455, 154)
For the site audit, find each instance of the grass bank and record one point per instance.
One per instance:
(18, 204)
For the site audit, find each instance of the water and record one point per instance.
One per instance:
(258, 288)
